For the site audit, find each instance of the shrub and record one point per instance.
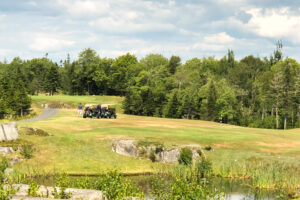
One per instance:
(33, 189)
(5, 193)
(199, 152)
(15, 147)
(159, 148)
(142, 152)
(186, 156)
(4, 164)
(117, 187)
(152, 156)
(203, 167)
(27, 151)
(61, 181)
(208, 148)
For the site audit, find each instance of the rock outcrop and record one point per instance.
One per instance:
(8, 131)
(129, 147)
(125, 147)
(46, 193)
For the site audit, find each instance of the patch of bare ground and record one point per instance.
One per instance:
(279, 144)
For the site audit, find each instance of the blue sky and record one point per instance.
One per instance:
(192, 28)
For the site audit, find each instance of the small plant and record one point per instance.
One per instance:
(116, 187)
(62, 182)
(5, 193)
(159, 148)
(199, 152)
(15, 147)
(33, 189)
(204, 167)
(208, 148)
(27, 151)
(142, 152)
(4, 164)
(152, 156)
(186, 156)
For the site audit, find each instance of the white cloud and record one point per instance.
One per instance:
(32, 3)
(219, 38)
(4, 52)
(275, 23)
(110, 24)
(84, 8)
(49, 43)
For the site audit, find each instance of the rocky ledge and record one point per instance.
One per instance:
(130, 147)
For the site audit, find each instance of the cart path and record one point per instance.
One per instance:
(46, 114)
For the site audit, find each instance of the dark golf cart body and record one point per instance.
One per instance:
(107, 111)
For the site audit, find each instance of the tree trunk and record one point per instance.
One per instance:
(284, 123)
(277, 120)
(272, 112)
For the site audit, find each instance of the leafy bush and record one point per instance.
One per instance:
(3, 165)
(199, 152)
(186, 156)
(208, 148)
(203, 167)
(116, 187)
(159, 148)
(15, 147)
(61, 181)
(27, 151)
(33, 189)
(5, 193)
(142, 152)
(152, 156)
(182, 183)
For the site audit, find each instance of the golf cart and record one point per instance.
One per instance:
(106, 111)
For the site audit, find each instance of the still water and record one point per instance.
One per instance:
(232, 189)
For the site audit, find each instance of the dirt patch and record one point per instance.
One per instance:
(33, 131)
(280, 145)
(74, 128)
(222, 145)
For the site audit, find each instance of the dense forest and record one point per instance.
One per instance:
(251, 92)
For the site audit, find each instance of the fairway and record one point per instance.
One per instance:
(83, 146)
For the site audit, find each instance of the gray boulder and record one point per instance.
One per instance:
(125, 147)
(8, 131)
(45, 191)
(6, 150)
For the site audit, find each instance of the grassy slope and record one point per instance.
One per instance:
(83, 146)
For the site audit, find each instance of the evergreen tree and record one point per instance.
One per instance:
(173, 64)
(211, 101)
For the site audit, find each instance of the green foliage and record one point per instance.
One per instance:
(33, 189)
(61, 184)
(159, 148)
(186, 156)
(203, 167)
(208, 148)
(142, 152)
(27, 151)
(182, 183)
(5, 193)
(250, 92)
(199, 152)
(116, 187)
(152, 156)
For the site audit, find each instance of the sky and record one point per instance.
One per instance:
(191, 28)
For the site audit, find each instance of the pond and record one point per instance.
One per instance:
(232, 188)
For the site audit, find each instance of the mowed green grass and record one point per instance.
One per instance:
(84, 146)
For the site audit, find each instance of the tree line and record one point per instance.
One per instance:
(254, 92)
